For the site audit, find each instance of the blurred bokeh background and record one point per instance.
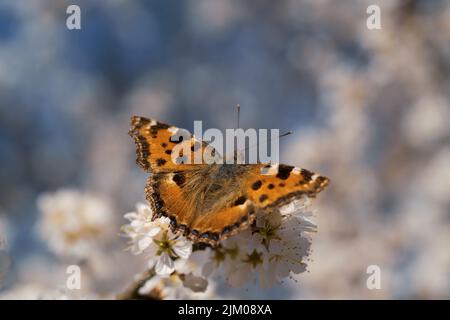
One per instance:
(369, 108)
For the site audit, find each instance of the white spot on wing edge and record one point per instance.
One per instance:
(172, 130)
(296, 170)
(272, 170)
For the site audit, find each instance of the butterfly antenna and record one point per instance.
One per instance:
(238, 111)
(286, 134)
(270, 138)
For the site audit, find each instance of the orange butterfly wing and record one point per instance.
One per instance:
(276, 185)
(169, 196)
(155, 143)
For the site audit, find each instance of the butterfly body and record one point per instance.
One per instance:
(211, 187)
(210, 202)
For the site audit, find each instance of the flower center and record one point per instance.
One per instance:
(268, 233)
(254, 258)
(165, 245)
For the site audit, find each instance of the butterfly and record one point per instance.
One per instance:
(208, 203)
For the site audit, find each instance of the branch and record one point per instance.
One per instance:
(132, 292)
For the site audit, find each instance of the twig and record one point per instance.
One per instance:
(132, 292)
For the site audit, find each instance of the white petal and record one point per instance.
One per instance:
(151, 262)
(144, 243)
(164, 265)
(163, 222)
(153, 231)
(182, 249)
(127, 231)
(137, 224)
(152, 250)
(143, 208)
(130, 216)
(134, 248)
(283, 269)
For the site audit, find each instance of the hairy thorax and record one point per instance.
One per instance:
(213, 187)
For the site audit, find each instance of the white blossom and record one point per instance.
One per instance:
(155, 239)
(72, 223)
(276, 247)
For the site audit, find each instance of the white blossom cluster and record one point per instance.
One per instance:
(73, 222)
(275, 247)
(155, 239)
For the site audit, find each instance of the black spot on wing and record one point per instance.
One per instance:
(284, 171)
(138, 122)
(240, 200)
(306, 174)
(160, 162)
(179, 179)
(256, 185)
(161, 126)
